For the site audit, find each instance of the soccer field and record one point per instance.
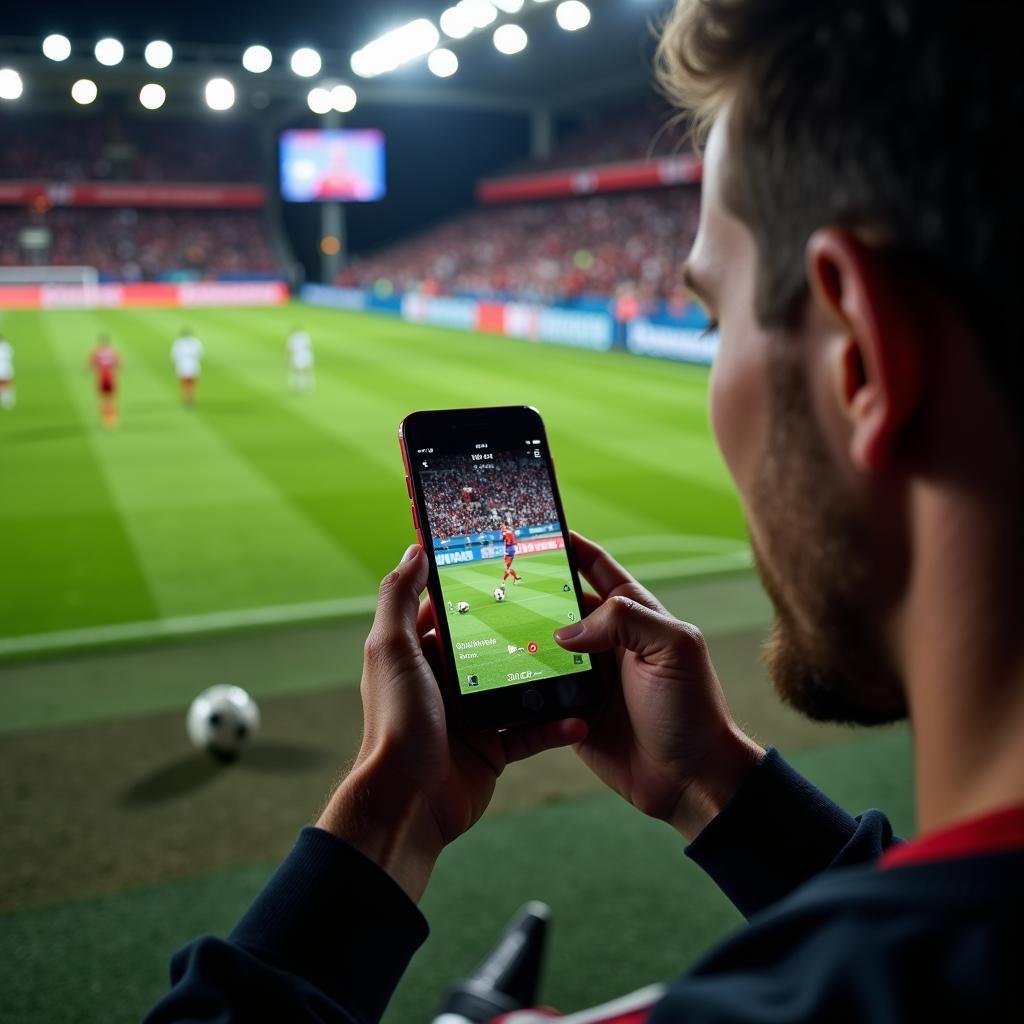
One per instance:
(260, 505)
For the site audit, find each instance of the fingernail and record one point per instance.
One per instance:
(410, 552)
(569, 632)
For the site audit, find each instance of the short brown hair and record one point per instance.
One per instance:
(903, 115)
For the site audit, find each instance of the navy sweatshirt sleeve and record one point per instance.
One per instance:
(327, 939)
(777, 832)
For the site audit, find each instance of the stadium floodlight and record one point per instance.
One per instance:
(481, 13)
(57, 47)
(510, 39)
(319, 100)
(109, 52)
(220, 94)
(394, 48)
(152, 96)
(343, 99)
(257, 59)
(443, 63)
(456, 23)
(306, 62)
(158, 54)
(509, 6)
(11, 86)
(84, 91)
(572, 15)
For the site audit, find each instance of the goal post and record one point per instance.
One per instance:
(85, 280)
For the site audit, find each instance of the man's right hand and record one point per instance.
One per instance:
(665, 740)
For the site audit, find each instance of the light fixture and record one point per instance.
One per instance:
(343, 98)
(220, 94)
(84, 91)
(319, 100)
(572, 15)
(394, 48)
(257, 59)
(510, 39)
(306, 62)
(158, 54)
(57, 47)
(443, 63)
(109, 52)
(152, 96)
(11, 86)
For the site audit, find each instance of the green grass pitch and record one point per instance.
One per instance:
(259, 503)
(495, 636)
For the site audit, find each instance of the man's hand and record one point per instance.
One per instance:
(414, 787)
(665, 741)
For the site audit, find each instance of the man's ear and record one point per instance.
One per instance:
(876, 362)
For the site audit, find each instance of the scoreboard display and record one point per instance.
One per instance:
(324, 165)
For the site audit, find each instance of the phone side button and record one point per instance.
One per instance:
(408, 486)
(533, 700)
(415, 521)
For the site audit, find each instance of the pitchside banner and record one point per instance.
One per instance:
(480, 547)
(689, 344)
(141, 296)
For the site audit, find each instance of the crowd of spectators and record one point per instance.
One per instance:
(464, 498)
(552, 250)
(111, 148)
(144, 244)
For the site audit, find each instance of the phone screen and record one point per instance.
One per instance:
(497, 539)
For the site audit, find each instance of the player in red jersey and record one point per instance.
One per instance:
(508, 535)
(105, 362)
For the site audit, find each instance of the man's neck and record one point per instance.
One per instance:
(963, 657)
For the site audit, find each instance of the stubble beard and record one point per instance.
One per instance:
(824, 652)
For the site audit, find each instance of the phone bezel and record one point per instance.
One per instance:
(578, 694)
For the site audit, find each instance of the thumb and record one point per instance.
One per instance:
(398, 601)
(622, 622)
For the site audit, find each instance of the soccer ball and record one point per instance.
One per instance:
(463, 607)
(499, 593)
(222, 721)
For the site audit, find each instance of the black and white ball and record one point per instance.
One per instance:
(223, 721)
(463, 607)
(499, 593)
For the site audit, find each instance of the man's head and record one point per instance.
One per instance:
(860, 227)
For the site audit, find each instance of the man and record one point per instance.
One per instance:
(508, 536)
(186, 354)
(859, 235)
(105, 361)
(7, 396)
(300, 360)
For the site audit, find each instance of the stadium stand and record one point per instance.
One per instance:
(558, 249)
(462, 500)
(162, 239)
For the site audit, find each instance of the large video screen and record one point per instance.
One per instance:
(341, 164)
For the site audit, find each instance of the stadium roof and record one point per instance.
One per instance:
(563, 70)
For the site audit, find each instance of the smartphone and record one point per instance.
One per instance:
(486, 509)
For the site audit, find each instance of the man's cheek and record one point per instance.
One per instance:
(736, 411)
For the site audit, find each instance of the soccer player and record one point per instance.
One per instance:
(508, 535)
(186, 353)
(6, 374)
(300, 360)
(105, 362)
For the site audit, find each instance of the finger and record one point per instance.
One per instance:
(424, 618)
(622, 622)
(398, 601)
(606, 575)
(527, 740)
(431, 647)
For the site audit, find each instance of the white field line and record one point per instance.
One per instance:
(310, 611)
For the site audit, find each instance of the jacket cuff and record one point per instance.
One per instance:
(332, 916)
(776, 832)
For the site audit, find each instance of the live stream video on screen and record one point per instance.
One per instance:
(332, 164)
(501, 559)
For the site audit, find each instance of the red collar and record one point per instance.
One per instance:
(998, 832)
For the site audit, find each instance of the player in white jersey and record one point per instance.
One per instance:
(6, 374)
(300, 360)
(186, 354)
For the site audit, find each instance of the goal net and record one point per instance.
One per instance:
(81, 283)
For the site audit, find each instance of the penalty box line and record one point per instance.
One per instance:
(310, 611)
